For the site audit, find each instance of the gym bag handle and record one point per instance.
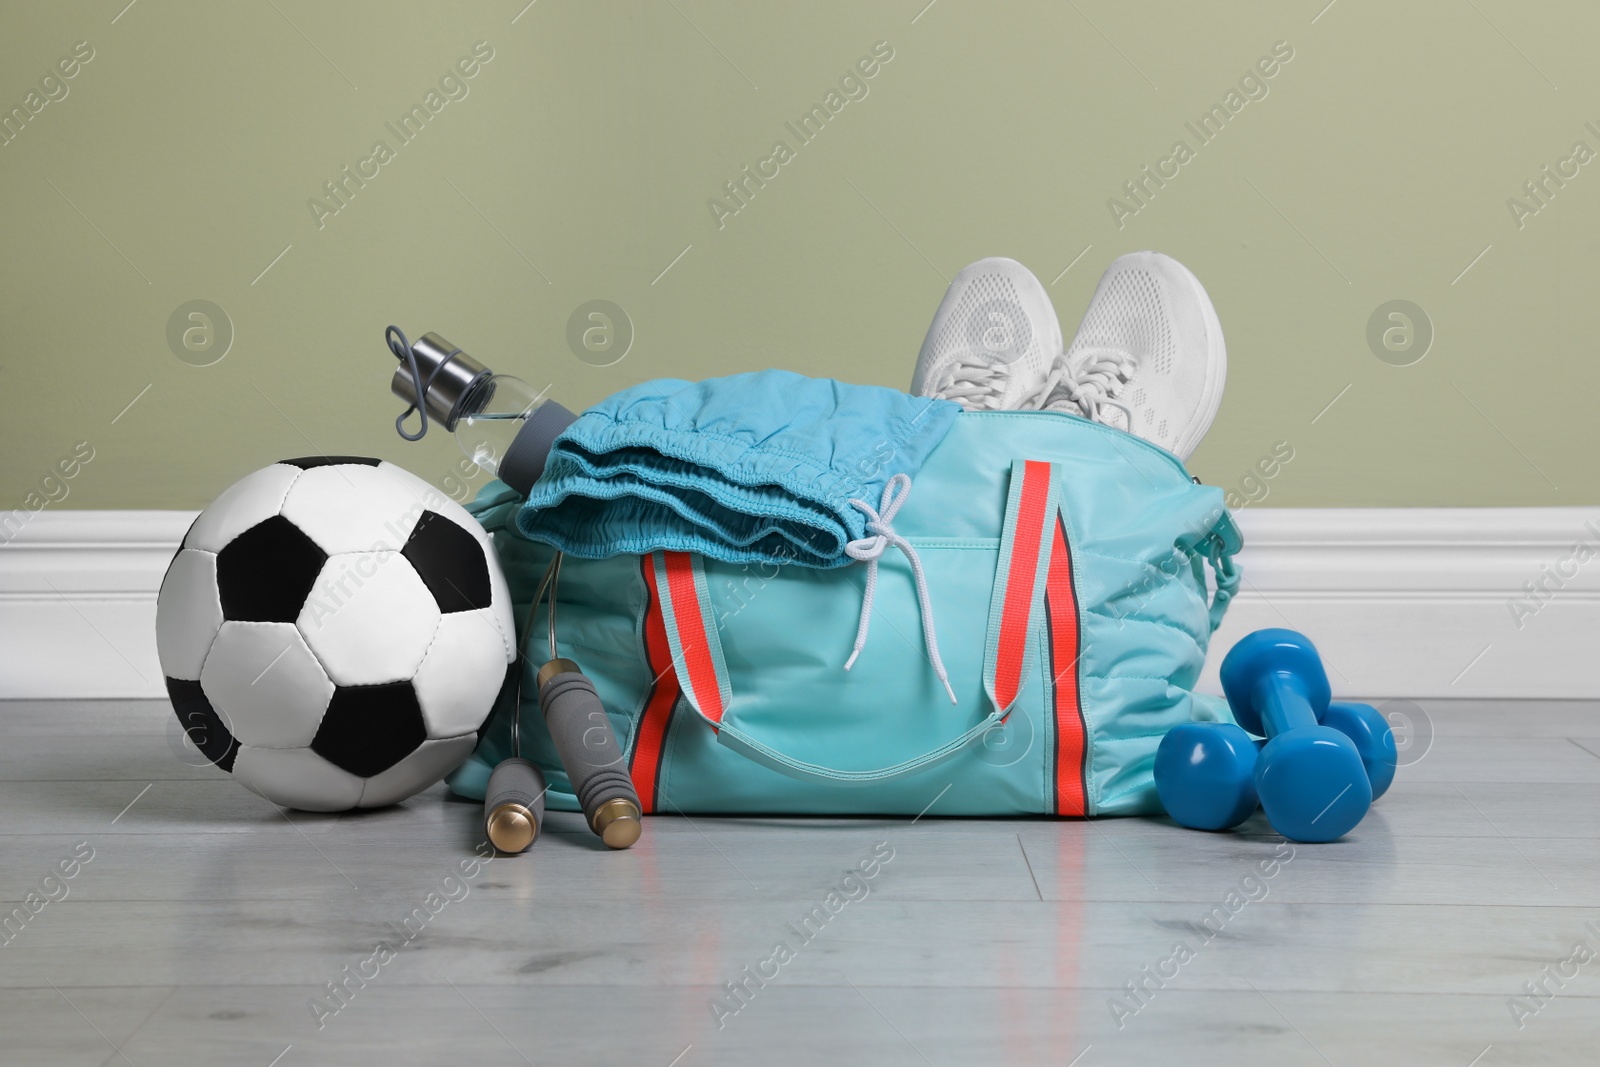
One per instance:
(1024, 558)
(748, 747)
(697, 660)
(1015, 616)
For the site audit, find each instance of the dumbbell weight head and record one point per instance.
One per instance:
(1366, 727)
(1268, 653)
(1312, 784)
(1205, 775)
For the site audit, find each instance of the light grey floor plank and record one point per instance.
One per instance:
(98, 809)
(800, 1023)
(1506, 718)
(207, 919)
(880, 942)
(741, 863)
(72, 1026)
(1482, 809)
(1506, 759)
(1143, 861)
(21, 718)
(142, 757)
(1124, 860)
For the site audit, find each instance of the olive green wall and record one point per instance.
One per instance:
(578, 166)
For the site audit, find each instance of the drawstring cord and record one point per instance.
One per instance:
(881, 534)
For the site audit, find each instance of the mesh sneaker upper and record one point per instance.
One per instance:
(1149, 312)
(993, 338)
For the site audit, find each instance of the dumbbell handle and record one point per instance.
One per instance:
(1280, 698)
(589, 751)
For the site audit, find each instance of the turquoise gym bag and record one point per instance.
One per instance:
(1064, 570)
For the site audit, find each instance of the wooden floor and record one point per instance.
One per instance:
(207, 921)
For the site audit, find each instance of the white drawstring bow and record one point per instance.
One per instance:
(881, 534)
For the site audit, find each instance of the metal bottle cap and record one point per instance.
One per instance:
(451, 378)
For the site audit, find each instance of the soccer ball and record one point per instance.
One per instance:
(334, 631)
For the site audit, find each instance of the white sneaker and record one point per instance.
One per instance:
(1148, 357)
(993, 340)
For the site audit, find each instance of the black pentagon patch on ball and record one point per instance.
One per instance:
(266, 572)
(451, 563)
(369, 728)
(202, 723)
(305, 463)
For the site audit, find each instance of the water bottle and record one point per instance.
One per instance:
(502, 423)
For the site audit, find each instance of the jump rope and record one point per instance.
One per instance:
(513, 811)
(513, 807)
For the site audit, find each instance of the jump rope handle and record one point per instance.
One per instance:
(514, 800)
(513, 807)
(589, 752)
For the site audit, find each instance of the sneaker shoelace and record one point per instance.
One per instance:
(974, 381)
(880, 535)
(1095, 384)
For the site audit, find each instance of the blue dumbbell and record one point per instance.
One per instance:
(1206, 775)
(1374, 740)
(1310, 777)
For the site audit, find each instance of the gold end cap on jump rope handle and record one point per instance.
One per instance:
(556, 666)
(512, 828)
(618, 823)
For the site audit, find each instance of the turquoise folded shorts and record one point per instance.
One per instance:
(752, 468)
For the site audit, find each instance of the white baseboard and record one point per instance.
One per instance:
(1404, 602)
(78, 603)
(1417, 602)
